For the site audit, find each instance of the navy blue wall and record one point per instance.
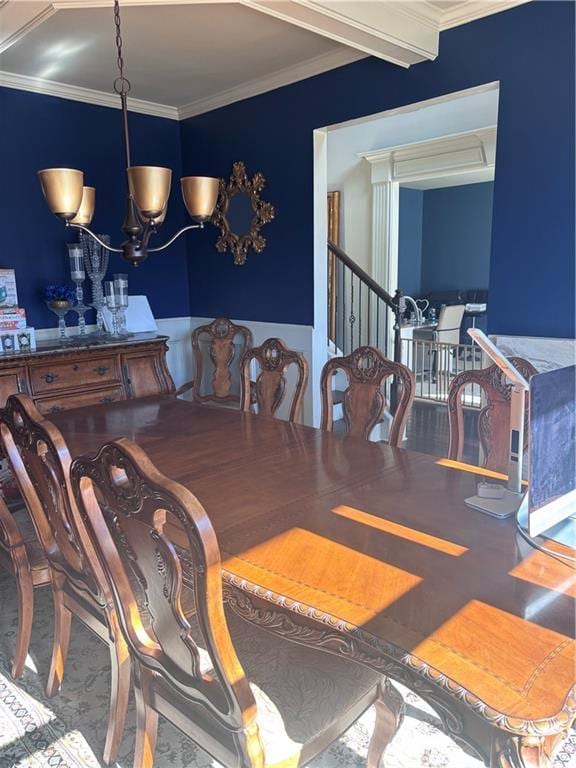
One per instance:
(529, 49)
(42, 132)
(410, 241)
(456, 233)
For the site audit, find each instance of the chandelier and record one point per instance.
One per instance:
(148, 189)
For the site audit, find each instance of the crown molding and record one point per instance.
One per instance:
(19, 20)
(86, 95)
(305, 69)
(282, 77)
(473, 10)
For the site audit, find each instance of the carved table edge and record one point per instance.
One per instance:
(343, 639)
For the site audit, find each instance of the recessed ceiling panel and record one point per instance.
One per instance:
(174, 54)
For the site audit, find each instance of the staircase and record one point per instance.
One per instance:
(360, 313)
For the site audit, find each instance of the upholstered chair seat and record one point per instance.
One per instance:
(300, 692)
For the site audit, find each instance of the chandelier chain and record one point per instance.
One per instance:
(121, 84)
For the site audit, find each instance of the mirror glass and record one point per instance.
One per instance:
(240, 214)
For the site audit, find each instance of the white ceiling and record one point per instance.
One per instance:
(174, 55)
(185, 57)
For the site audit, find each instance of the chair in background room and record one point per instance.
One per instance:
(248, 697)
(493, 418)
(220, 336)
(446, 338)
(363, 400)
(40, 462)
(267, 392)
(21, 555)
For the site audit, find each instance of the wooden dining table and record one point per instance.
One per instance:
(369, 552)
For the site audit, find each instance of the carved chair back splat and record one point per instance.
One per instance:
(222, 335)
(494, 417)
(366, 370)
(40, 461)
(273, 359)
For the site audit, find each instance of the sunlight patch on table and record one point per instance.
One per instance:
(544, 571)
(402, 531)
(318, 571)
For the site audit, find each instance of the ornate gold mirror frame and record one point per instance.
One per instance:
(261, 213)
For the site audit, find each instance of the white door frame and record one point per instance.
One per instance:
(385, 238)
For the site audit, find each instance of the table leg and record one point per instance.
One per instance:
(389, 716)
(524, 751)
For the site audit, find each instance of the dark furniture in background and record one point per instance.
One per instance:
(463, 296)
(83, 373)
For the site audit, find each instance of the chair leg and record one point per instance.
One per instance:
(25, 618)
(389, 715)
(62, 621)
(146, 718)
(119, 695)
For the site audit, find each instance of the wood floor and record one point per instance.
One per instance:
(428, 432)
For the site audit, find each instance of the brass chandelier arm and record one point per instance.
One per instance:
(145, 239)
(175, 237)
(95, 237)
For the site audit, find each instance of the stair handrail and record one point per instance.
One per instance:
(392, 301)
(395, 303)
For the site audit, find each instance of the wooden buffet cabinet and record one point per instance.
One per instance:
(80, 373)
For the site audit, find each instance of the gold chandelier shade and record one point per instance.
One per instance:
(150, 187)
(62, 188)
(86, 210)
(200, 195)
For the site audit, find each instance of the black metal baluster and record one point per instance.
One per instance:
(360, 315)
(344, 312)
(352, 318)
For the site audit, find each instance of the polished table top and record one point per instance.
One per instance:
(371, 537)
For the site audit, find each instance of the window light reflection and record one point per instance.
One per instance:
(402, 531)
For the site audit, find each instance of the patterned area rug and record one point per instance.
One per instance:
(68, 731)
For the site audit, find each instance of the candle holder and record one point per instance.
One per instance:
(96, 265)
(78, 275)
(113, 305)
(121, 293)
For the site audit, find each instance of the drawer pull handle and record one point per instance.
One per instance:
(101, 370)
(56, 409)
(107, 399)
(49, 377)
(75, 367)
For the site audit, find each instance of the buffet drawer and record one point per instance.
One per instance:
(74, 374)
(50, 405)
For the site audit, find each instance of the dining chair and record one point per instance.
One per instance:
(446, 339)
(363, 400)
(267, 392)
(248, 697)
(40, 462)
(493, 418)
(22, 557)
(222, 335)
